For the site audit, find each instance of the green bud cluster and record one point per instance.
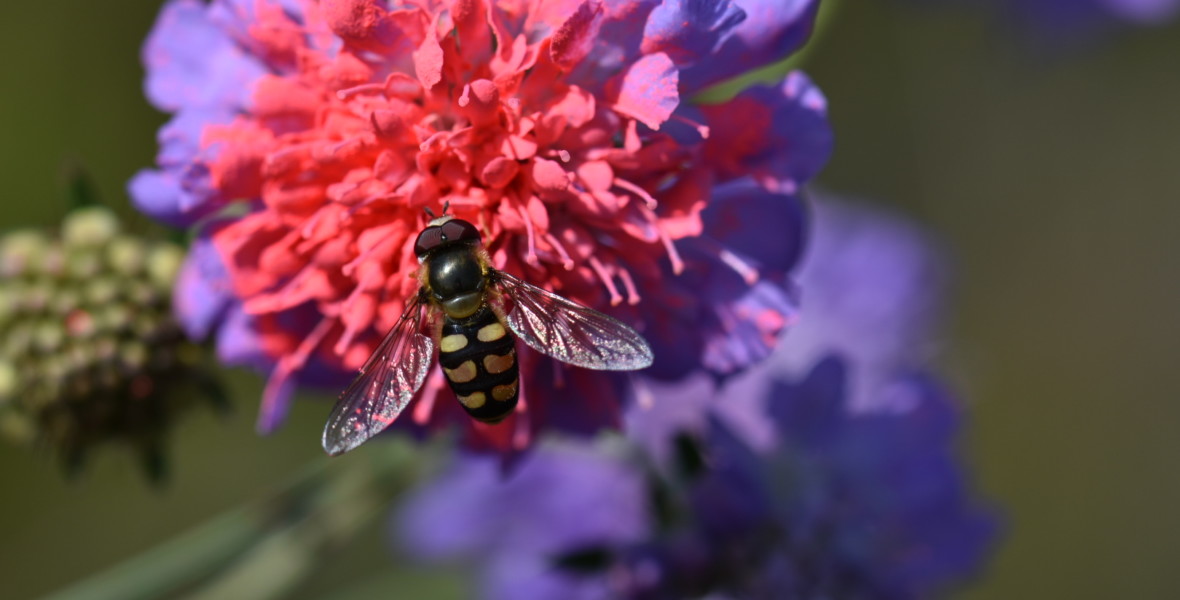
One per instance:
(89, 351)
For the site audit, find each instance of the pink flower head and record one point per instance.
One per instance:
(321, 131)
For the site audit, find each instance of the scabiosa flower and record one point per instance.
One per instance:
(840, 505)
(868, 270)
(559, 497)
(318, 132)
(782, 482)
(91, 353)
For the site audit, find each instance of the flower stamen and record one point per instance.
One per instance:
(701, 129)
(607, 280)
(669, 246)
(745, 270)
(629, 285)
(530, 256)
(638, 191)
(566, 262)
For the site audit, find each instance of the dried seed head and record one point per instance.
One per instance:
(89, 351)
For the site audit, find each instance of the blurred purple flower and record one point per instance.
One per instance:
(840, 505)
(559, 497)
(873, 286)
(783, 482)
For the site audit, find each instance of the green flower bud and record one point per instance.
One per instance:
(164, 265)
(102, 290)
(48, 337)
(89, 351)
(83, 264)
(127, 255)
(90, 226)
(22, 252)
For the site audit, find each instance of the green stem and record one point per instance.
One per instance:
(266, 549)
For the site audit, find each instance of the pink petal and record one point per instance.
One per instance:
(648, 89)
(549, 176)
(499, 172)
(428, 60)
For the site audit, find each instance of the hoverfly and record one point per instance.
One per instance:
(477, 352)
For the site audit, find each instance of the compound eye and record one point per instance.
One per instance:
(428, 240)
(458, 230)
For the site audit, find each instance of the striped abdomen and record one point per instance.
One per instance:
(478, 356)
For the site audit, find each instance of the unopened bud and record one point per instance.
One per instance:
(91, 226)
(164, 264)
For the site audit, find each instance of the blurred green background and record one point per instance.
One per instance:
(1054, 180)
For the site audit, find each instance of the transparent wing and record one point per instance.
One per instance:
(570, 332)
(384, 386)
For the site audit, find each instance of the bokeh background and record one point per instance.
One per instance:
(1052, 176)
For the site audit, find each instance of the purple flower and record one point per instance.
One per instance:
(317, 132)
(873, 289)
(778, 483)
(841, 504)
(559, 497)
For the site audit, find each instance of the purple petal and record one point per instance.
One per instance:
(443, 520)
(810, 413)
(238, 15)
(772, 30)
(238, 342)
(736, 295)
(647, 90)
(202, 293)
(733, 499)
(777, 134)
(167, 197)
(180, 138)
(873, 286)
(749, 328)
(450, 517)
(686, 30)
(276, 399)
(589, 401)
(663, 409)
(531, 577)
(191, 62)
(180, 194)
(763, 229)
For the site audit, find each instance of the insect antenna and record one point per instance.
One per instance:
(445, 209)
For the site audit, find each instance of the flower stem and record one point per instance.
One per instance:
(266, 549)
